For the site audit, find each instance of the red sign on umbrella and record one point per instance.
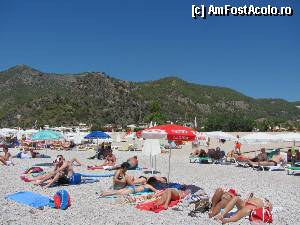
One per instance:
(176, 132)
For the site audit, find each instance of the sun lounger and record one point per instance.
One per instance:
(293, 169)
(278, 167)
(201, 160)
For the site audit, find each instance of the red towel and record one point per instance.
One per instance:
(95, 167)
(149, 206)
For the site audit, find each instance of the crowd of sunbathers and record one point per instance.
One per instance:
(222, 202)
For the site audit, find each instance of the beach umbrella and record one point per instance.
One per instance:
(30, 131)
(258, 138)
(8, 132)
(151, 145)
(201, 136)
(154, 134)
(97, 135)
(174, 133)
(44, 135)
(221, 135)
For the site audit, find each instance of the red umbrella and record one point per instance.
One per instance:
(176, 132)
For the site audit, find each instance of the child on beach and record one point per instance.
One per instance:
(6, 158)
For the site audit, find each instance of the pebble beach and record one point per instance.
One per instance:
(87, 208)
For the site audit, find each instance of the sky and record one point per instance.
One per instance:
(146, 40)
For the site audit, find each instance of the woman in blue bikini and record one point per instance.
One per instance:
(132, 189)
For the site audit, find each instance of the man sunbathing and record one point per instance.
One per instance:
(199, 153)
(133, 164)
(244, 208)
(132, 189)
(62, 173)
(276, 159)
(220, 200)
(6, 158)
(110, 161)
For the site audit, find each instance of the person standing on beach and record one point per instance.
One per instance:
(238, 145)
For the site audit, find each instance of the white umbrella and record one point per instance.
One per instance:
(8, 131)
(154, 134)
(221, 135)
(151, 144)
(288, 137)
(258, 138)
(118, 139)
(30, 131)
(201, 136)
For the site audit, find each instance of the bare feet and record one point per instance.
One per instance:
(37, 182)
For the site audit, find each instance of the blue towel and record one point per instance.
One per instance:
(97, 175)
(29, 198)
(135, 194)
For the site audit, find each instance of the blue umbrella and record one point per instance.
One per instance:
(45, 135)
(97, 135)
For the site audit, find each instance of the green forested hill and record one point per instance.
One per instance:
(95, 98)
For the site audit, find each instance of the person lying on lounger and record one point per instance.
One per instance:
(132, 189)
(168, 195)
(220, 200)
(244, 208)
(62, 173)
(276, 159)
(6, 158)
(199, 153)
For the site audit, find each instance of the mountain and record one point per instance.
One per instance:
(29, 95)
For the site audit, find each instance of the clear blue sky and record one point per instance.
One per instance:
(146, 40)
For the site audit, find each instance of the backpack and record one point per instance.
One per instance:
(61, 200)
(261, 214)
(34, 170)
(75, 179)
(199, 203)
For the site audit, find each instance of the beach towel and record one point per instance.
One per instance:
(150, 206)
(110, 167)
(29, 198)
(97, 175)
(44, 164)
(144, 193)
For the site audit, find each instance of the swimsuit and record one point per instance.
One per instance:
(64, 180)
(132, 188)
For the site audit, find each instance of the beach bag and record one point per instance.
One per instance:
(33, 170)
(75, 179)
(61, 200)
(199, 203)
(261, 214)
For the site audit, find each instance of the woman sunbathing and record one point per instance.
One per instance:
(132, 189)
(244, 208)
(168, 195)
(6, 158)
(120, 179)
(110, 161)
(219, 200)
